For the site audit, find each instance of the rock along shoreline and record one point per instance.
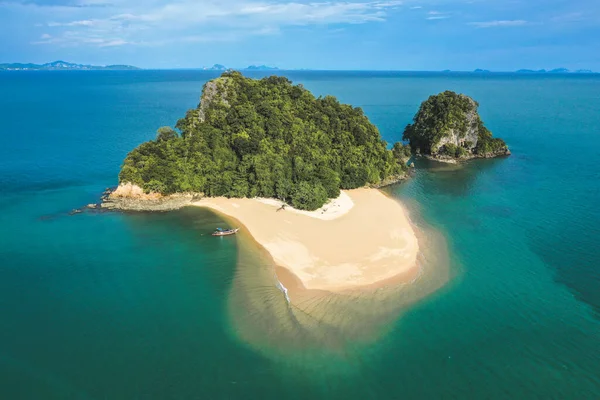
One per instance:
(130, 197)
(452, 160)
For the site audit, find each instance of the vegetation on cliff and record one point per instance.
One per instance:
(265, 138)
(447, 125)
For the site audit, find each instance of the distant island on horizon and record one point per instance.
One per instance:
(539, 71)
(221, 67)
(68, 66)
(63, 66)
(555, 71)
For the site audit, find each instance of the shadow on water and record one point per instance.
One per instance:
(574, 257)
(455, 180)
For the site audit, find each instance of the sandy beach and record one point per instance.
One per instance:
(359, 239)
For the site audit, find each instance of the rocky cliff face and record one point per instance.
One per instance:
(215, 90)
(130, 197)
(466, 136)
(448, 127)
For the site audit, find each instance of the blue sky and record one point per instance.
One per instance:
(391, 35)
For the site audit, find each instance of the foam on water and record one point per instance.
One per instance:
(283, 289)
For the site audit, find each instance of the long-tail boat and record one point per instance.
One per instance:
(225, 232)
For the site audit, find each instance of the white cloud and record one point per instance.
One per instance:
(229, 36)
(77, 38)
(129, 22)
(288, 13)
(85, 22)
(386, 4)
(112, 43)
(436, 15)
(501, 23)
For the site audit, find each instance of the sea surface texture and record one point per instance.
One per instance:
(124, 306)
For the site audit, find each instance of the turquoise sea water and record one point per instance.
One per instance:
(109, 305)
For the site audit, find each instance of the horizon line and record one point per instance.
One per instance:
(582, 71)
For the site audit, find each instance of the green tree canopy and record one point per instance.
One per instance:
(449, 124)
(264, 138)
(165, 133)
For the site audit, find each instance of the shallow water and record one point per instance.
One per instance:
(299, 325)
(144, 305)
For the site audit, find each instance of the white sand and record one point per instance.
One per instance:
(359, 239)
(335, 208)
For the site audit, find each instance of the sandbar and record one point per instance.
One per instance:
(360, 239)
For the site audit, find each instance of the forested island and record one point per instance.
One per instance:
(266, 138)
(447, 127)
(272, 139)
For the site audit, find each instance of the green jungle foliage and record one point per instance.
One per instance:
(486, 144)
(264, 138)
(452, 150)
(441, 114)
(402, 152)
(436, 117)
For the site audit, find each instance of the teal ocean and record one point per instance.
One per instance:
(135, 306)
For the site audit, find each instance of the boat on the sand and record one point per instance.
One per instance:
(225, 232)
